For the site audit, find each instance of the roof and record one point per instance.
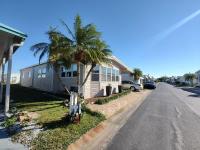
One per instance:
(112, 57)
(12, 31)
(197, 72)
(121, 63)
(34, 65)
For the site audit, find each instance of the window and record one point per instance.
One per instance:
(39, 73)
(117, 75)
(125, 82)
(74, 70)
(23, 75)
(95, 74)
(63, 70)
(71, 72)
(44, 71)
(103, 73)
(108, 74)
(113, 74)
(29, 74)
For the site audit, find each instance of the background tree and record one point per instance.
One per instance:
(83, 45)
(190, 77)
(162, 79)
(137, 73)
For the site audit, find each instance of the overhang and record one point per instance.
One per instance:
(123, 68)
(9, 36)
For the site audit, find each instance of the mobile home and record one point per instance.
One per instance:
(44, 77)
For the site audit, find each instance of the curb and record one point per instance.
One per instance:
(94, 140)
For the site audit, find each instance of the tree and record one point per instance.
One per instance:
(137, 73)
(82, 45)
(162, 79)
(190, 77)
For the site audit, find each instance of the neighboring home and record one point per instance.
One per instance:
(172, 79)
(14, 78)
(43, 77)
(148, 78)
(198, 78)
(181, 79)
(10, 40)
(128, 76)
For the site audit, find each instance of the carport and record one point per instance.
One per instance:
(10, 40)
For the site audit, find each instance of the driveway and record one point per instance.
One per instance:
(167, 120)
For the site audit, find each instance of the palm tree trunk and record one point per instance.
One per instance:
(92, 67)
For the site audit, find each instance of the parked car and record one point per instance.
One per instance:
(131, 85)
(149, 85)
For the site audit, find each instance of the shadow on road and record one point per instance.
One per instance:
(195, 92)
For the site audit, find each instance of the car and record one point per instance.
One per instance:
(131, 85)
(150, 85)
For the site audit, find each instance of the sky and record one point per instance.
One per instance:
(161, 37)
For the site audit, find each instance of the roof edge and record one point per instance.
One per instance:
(13, 31)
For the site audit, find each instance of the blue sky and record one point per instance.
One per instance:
(130, 27)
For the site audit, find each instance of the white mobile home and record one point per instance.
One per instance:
(14, 78)
(44, 77)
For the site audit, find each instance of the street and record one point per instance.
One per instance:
(167, 120)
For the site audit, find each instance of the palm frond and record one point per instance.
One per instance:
(68, 29)
(41, 49)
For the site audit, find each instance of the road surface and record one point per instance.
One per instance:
(167, 120)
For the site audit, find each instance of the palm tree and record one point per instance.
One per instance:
(190, 77)
(83, 46)
(137, 73)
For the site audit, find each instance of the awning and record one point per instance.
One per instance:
(8, 36)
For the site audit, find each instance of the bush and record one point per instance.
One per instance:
(181, 84)
(9, 122)
(101, 101)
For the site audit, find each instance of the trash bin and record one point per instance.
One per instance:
(119, 88)
(108, 90)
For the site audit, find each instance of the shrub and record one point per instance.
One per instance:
(101, 101)
(9, 122)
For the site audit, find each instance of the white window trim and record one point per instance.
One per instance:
(67, 70)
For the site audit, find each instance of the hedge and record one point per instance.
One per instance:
(101, 101)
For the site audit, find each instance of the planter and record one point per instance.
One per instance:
(108, 90)
(119, 88)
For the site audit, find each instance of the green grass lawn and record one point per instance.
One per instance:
(58, 132)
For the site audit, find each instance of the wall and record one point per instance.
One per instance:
(25, 79)
(127, 76)
(45, 81)
(98, 88)
(67, 81)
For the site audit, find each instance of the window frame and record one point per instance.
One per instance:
(73, 71)
(96, 72)
(109, 74)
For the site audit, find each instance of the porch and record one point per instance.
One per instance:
(10, 40)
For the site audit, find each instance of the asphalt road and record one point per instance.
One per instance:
(166, 120)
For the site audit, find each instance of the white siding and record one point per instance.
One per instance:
(43, 81)
(25, 79)
(127, 76)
